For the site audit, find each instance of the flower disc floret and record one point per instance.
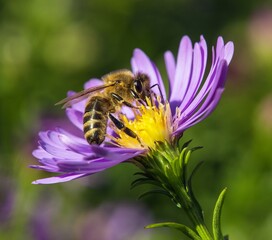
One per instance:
(151, 123)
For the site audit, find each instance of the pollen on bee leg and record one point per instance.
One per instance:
(122, 129)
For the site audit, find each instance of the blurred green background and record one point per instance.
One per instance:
(50, 47)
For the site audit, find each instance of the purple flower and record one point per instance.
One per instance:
(191, 98)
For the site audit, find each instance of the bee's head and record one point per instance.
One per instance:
(141, 85)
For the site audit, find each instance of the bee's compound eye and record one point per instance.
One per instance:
(138, 86)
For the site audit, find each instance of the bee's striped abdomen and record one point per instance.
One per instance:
(95, 120)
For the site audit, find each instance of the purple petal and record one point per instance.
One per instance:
(83, 166)
(183, 72)
(93, 83)
(40, 153)
(59, 179)
(219, 46)
(44, 136)
(76, 117)
(64, 153)
(76, 139)
(106, 157)
(198, 118)
(53, 169)
(211, 99)
(70, 142)
(78, 106)
(57, 144)
(208, 84)
(170, 68)
(199, 65)
(111, 151)
(229, 49)
(128, 111)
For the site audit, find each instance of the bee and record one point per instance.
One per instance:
(119, 88)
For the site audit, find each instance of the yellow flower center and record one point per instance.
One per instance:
(151, 123)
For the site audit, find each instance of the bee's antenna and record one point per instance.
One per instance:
(159, 91)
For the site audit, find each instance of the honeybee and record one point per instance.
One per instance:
(119, 88)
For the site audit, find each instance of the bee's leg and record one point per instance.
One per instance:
(136, 97)
(118, 98)
(121, 126)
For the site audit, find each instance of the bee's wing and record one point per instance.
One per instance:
(79, 96)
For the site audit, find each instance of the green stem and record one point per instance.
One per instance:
(168, 167)
(192, 212)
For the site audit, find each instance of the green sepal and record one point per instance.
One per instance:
(141, 181)
(187, 157)
(184, 229)
(186, 144)
(182, 165)
(196, 148)
(158, 191)
(140, 174)
(216, 222)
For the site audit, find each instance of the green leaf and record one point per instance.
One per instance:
(184, 229)
(216, 223)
